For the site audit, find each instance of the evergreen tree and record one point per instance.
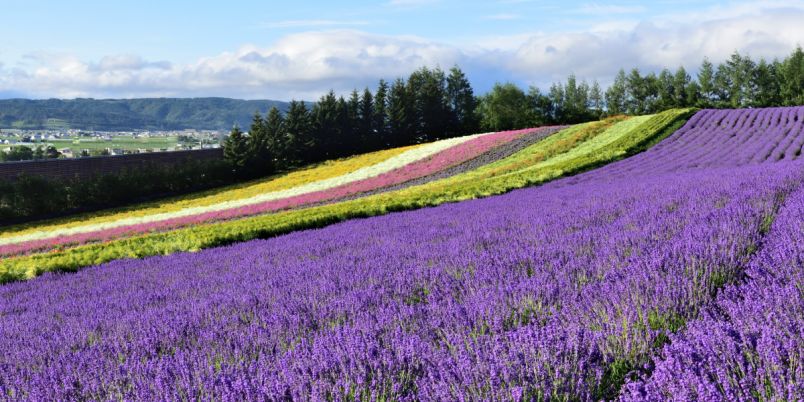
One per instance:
(706, 84)
(368, 135)
(462, 103)
(400, 114)
(380, 123)
(651, 87)
(277, 138)
(596, 100)
(792, 78)
(428, 91)
(299, 133)
(352, 135)
(637, 93)
(541, 106)
(683, 94)
(326, 127)
(557, 103)
(667, 90)
(617, 95)
(261, 152)
(740, 70)
(236, 151)
(766, 80)
(722, 87)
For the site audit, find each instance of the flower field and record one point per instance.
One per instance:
(659, 276)
(514, 171)
(411, 163)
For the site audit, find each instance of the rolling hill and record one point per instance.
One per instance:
(132, 114)
(673, 273)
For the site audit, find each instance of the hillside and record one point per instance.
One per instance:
(674, 273)
(132, 114)
(366, 185)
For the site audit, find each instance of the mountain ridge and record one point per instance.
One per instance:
(210, 113)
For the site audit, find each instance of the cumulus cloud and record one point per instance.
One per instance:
(300, 66)
(305, 65)
(599, 53)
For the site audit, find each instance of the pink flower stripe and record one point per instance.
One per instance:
(435, 163)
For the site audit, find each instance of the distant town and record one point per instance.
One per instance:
(74, 143)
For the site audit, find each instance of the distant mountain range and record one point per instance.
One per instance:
(132, 114)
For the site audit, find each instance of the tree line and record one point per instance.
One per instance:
(432, 104)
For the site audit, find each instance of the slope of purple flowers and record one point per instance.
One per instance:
(750, 344)
(562, 291)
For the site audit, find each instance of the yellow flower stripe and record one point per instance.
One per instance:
(322, 171)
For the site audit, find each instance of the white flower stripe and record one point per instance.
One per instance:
(385, 166)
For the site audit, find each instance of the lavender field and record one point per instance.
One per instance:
(674, 274)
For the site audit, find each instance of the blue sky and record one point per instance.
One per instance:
(284, 50)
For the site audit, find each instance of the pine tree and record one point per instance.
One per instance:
(557, 102)
(236, 151)
(368, 135)
(637, 93)
(667, 90)
(400, 114)
(741, 77)
(261, 158)
(596, 100)
(766, 80)
(681, 88)
(706, 83)
(792, 78)
(277, 138)
(428, 92)
(299, 133)
(616, 95)
(326, 128)
(352, 133)
(380, 123)
(462, 103)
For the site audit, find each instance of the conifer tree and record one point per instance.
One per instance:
(236, 151)
(380, 123)
(261, 158)
(299, 133)
(616, 95)
(462, 103)
(706, 84)
(400, 114)
(277, 138)
(367, 131)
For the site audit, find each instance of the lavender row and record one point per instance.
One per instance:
(562, 291)
(716, 138)
(536, 293)
(750, 345)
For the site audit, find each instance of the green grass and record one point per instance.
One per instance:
(497, 178)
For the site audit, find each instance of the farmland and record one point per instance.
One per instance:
(667, 265)
(533, 164)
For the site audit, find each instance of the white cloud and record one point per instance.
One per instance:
(599, 53)
(302, 65)
(305, 65)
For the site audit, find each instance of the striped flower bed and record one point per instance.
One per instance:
(409, 165)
